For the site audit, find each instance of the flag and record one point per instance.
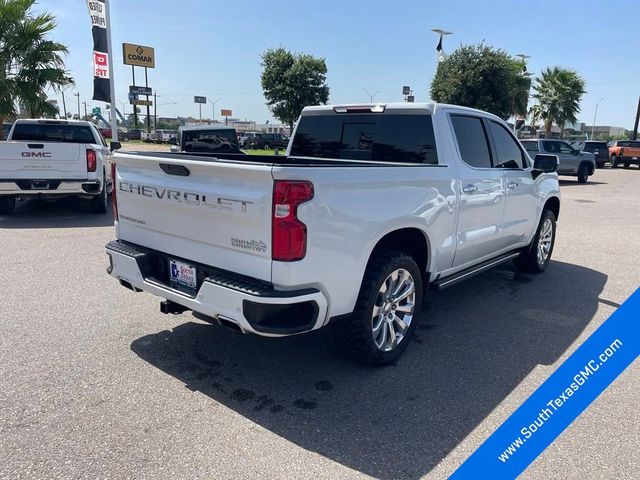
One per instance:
(98, 14)
(439, 47)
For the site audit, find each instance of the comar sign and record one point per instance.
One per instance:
(138, 55)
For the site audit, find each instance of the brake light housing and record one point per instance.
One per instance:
(92, 160)
(289, 234)
(114, 199)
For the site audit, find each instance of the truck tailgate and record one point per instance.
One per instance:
(209, 211)
(42, 161)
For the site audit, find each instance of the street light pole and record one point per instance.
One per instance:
(439, 49)
(213, 102)
(524, 73)
(593, 126)
(77, 94)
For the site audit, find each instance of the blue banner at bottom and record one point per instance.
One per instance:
(560, 399)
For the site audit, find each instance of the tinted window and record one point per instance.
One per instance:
(593, 146)
(209, 140)
(48, 132)
(551, 147)
(629, 144)
(377, 137)
(508, 151)
(472, 141)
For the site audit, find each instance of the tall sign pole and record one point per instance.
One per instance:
(112, 87)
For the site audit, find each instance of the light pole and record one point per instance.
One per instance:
(213, 117)
(441, 33)
(593, 127)
(77, 95)
(524, 73)
(371, 96)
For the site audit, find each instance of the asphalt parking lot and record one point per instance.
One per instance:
(96, 383)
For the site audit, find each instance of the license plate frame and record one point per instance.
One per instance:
(183, 276)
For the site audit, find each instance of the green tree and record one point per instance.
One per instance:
(480, 76)
(30, 63)
(291, 82)
(558, 92)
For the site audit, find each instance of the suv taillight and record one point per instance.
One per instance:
(289, 235)
(92, 160)
(114, 199)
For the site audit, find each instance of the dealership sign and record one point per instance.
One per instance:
(139, 90)
(138, 55)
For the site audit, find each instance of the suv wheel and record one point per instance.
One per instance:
(7, 205)
(583, 173)
(536, 256)
(385, 315)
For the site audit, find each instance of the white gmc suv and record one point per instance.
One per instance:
(370, 205)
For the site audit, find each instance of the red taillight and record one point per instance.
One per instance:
(114, 199)
(92, 160)
(289, 239)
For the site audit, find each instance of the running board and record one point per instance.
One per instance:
(470, 272)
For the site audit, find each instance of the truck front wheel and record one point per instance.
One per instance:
(385, 315)
(537, 255)
(7, 205)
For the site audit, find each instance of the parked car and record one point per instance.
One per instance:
(211, 138)
(244, 136)
(625, 152)
(348, 230)
(53, 159)
(267, 141)
(107, 133)
(134, 134)
(573, 162)
(599, 149)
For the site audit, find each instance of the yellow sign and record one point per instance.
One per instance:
(226, 113)
(138, 55)
(148, 103)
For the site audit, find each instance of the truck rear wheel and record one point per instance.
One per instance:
(385, 315)
(99, 203)
(583, 173)
(7, 205)
(537, 255)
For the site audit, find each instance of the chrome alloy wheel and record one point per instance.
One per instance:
(394, 310)
(545, 241)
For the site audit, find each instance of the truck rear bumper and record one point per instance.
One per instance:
(49, 187)
(254, 306)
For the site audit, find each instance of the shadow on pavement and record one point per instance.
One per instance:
(567, 183)
(476, 342)
(67, 212)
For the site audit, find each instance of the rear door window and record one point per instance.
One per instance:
(472, 140)
(51, 132)
(508, 152)
(377, 137)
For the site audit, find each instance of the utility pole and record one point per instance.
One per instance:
(64, 105)
(85, 109)
(112, 86)
(593, 127)
(155, 110)
(635, 126)
(77, 94)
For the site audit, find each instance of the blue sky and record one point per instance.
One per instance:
(212, 48)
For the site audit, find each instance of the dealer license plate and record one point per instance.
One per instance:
(182, 275)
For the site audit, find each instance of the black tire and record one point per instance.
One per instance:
(614, 162)
(529, 261)
(627, 164)
(354, 335)
(600, 165)
(99, 203)
(7, 205)
(583, 173)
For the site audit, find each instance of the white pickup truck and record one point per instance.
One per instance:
(54, 158)
(370, 205)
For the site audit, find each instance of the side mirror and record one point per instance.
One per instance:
(174, 149)
(544, 163)
(115, 146)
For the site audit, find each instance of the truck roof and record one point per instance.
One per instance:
(53, 121)
(396, 107)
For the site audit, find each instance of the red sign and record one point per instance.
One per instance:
(225, 113)
(100, 65)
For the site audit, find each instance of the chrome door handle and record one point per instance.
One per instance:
(511, 185)
(471, 188)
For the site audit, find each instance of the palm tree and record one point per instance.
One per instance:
(30, 63)
(558, 92)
